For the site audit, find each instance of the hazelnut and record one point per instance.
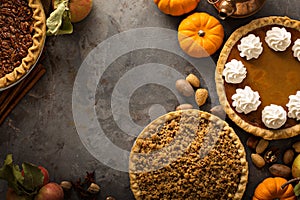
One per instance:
(252, 142)
(94, 188)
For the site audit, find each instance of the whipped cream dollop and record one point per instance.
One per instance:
(245, 100)
(274, 116)
(296, 49)
(278, 39)
(250, 47)
(294, 106)
(234, 71)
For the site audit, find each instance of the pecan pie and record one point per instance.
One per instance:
(22, 36)
(257, 77)
(188, 154)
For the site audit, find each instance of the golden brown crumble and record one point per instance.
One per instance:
(187, 157)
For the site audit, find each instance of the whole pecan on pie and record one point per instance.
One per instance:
(22, 36)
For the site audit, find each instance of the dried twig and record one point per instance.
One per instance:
(289, 182)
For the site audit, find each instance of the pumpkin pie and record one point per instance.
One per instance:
(22, 36)
(257, 77)
(188, 154)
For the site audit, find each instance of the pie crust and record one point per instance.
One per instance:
(188, 154)
(270, 134)
(38, 39)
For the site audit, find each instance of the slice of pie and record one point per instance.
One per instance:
(22, 36)
(188, 154)
(257, 77)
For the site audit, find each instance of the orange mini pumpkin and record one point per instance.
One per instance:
(176, 7)
(200, 35)
(270, 188)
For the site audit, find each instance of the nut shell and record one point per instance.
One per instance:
(94, 188)
(110, 198)
(296, 146)
(193, 80)
(261, 146)
(288, 156)
(184, 87)
(272, 155)
(280, 170)
(218, 111)
(66, 185)
(201, 96)
(184, 106)
(258, 160)
(252, 142)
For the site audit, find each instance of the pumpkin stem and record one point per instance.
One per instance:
(201, 33)
(289, 182)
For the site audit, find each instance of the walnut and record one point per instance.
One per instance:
(201, 96)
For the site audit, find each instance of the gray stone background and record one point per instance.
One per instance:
(41, 128)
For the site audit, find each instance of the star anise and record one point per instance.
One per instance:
(82, 186)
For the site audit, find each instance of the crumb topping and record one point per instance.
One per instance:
(187, 157)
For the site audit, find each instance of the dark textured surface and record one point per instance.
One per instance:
(41, 128)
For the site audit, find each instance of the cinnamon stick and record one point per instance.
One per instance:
(30, 77)
(14, 91)
(21, 91)
(7, 93)
(3, 95)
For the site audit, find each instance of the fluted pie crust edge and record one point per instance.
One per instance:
(34, 51)
(156, 124)
(232, 40)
